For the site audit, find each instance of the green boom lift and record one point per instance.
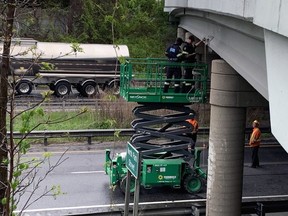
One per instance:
(167, 154)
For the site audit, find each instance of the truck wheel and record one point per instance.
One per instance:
(114, 87)
(88, 89)
(24, 87)
(123, 185)
(62, 89)
(193, 184)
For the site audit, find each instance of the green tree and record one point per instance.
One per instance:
(7, 29)
(144, 27)
(53, 3)
(140, 24)
(87, 24)
(13, 171)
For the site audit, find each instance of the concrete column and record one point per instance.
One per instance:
(225, 165)
(226, 140)
(181, 33)
(187, 35)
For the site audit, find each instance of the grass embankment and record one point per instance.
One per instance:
(112, 115)
(107, 116)
(68, 120)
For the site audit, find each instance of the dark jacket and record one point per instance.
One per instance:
(188, 50)
(174, 53)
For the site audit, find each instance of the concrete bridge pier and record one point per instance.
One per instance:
(181, 33)
(225, 165)
(230, 95)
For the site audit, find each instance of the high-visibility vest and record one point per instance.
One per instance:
(255, 137)
(194, 123)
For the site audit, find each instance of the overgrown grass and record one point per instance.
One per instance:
(110, 115)
(86, 120)
(116, 114)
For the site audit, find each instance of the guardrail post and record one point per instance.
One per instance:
(199, 210)
(127, 194)
(137, 188)
(45, 141)
(260, 210)
(89, 140)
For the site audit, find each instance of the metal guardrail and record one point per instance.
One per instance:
(65, 104)
(90, 133)
(258, 206)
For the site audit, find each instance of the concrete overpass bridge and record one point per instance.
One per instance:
(251, 37)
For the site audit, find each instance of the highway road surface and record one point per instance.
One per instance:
(85, 187)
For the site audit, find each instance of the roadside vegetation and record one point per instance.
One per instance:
(142, 25)
(92, 119)
(107, 114)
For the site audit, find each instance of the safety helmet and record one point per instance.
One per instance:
(256, 122)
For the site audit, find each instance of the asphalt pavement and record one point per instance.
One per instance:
(85, 187)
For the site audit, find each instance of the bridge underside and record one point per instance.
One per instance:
(257, 54)
(248, 35)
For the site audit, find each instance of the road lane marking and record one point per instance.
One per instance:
(107, 206)
(259, 198)
(67, 152)
(87, 172)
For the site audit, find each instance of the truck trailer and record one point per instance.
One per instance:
(62, 66)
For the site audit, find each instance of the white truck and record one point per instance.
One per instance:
(62, 66)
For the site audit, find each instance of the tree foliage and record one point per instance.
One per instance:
(15, 175)
(144, 27)
(140, 24)
(53, 3)
(7, 29)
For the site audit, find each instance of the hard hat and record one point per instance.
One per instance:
(192, 115)
(256, 122)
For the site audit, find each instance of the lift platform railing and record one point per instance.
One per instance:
(142, 80)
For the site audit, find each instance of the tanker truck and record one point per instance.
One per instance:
(61, 66)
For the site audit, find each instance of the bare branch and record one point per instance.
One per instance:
(41, 179)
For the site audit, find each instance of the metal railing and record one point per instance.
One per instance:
(62, 104)
(250, 205)
(90, 133)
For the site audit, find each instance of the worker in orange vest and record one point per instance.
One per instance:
(254, 143)
(195, 126)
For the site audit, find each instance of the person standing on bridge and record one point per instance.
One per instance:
(189, 51)
(254, 143)
(174, 55)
